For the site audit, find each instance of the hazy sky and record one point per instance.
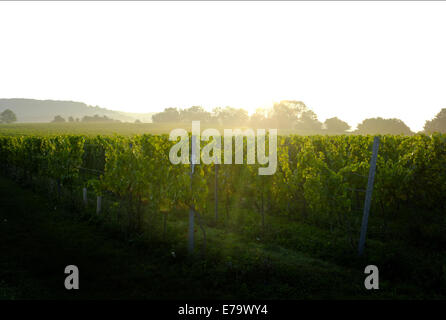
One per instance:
(352, 60)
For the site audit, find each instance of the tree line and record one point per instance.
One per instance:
(287, 114)
(293, 115)
(8, 116)
(95, 118)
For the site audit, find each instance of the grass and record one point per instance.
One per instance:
(40, 238)
(94, 129)
(293, 260)
(89, 129)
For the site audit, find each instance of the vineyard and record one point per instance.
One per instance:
(313, 203)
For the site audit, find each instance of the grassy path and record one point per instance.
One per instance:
(38, 240)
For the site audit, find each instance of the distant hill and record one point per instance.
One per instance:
(31, 110)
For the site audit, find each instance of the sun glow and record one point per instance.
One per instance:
(351, 60)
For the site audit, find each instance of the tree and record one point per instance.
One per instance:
(437, 124)
(259, 118)
(97, 118)
(292, 114)
(383, 126)
(335, 125)
(8, 116)
(70, 119)
(194, 113)
(137, 121)
(231, 116)
(168, 115)
(58, 119)
(285, 114)
(308, 122)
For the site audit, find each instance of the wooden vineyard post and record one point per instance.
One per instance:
(190, 245)
(368, 196)
(216, 192)
(164, 224)
(98, 204)
(84, 196)
(59, 189)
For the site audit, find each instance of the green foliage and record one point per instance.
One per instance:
(319, 180)
(383, 126)
(58, 118)
(437, 124)
(336, 126)
(8, 116)
(311, 206)
(62, 157)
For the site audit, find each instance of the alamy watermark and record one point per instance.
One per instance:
(72, 280)
(211, 153)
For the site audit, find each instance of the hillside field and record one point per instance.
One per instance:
(291, 235)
